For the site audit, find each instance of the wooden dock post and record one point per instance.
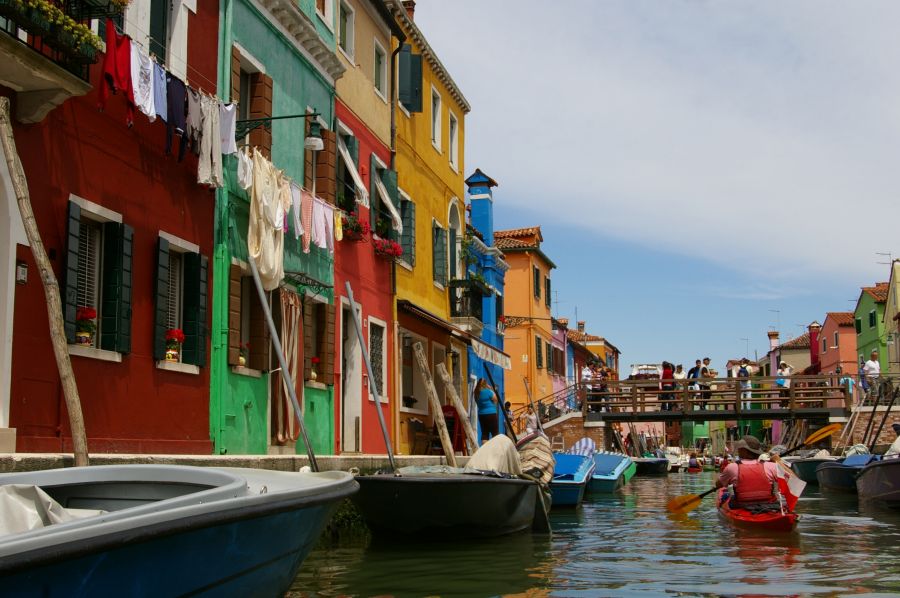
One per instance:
(436, 411)
(460, 409)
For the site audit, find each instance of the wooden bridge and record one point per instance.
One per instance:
(721, 399)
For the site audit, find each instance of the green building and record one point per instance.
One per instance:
(276, 59)
(869, 318)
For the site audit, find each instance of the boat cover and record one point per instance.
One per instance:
(25, 507)
(497, 454)
(584, 447)
(535, 453)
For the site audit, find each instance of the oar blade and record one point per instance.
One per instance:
(823, 433)
(684, 504)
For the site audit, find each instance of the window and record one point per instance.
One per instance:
(456, 371)
(325, 11)
(408, 236)
(351, 189)
(547, 295)
(159, 28)
(824, 345)
(858, 324)
(385, 219)
(412, 391)
(872, 319)
(549, 353)
(537, 282)
(409, 79)
(181, 298)
(538, 352)
(318, 340)
(377, 355)
(346, 29)
(435, 119)
(252, 90)
(499, 306)
(97, 274)
(439, 249)
(379, 75)
(454, 141)
(836, 338)
(248, 334)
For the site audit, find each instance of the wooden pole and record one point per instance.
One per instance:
(460, 409)
(436, 411)
(51, 288)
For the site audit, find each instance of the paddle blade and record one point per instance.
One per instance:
(684, 504)
(822, 433)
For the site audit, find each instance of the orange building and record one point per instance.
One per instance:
(527, 302)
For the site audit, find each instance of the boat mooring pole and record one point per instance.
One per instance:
(372, 388)
(279, 352)
(883, 419)
(500, 407)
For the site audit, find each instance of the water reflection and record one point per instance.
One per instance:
(628, 544)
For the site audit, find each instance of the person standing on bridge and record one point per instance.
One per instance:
(705, 374)
(872, 369)
(743, 375)
(666, 385)
(694, 375)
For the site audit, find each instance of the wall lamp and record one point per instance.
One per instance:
(312, 142)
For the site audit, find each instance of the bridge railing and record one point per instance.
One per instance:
(642, 396)
(549, 407)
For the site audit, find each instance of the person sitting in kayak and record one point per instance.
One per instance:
(753, 482)
(694, 462)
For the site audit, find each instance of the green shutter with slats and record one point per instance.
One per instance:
(389, 179)
(70, 271)
(410, 79)
(196, 267)
(161, 296)
(537, 282)
(547, 295)
(453, 256)
(115, 305)
(374, 199)
(408, 238)
(538, 350)
(549, 353)
(439, 251)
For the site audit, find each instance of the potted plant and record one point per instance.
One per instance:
(85, 325)
(387, 248)
(355, 228)
(312, 371)
(244, 354)
(174, 338)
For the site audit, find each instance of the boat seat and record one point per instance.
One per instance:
(558, 443)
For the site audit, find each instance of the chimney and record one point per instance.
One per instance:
(773, 339)
(410, 6)
(814, 330)
(564, 322)
(580, 325)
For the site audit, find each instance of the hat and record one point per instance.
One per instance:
(749, 443)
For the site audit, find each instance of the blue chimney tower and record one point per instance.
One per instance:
(481, 200)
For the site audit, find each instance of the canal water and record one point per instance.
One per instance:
(625, 545)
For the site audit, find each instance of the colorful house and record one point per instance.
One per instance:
(837, 343)
(527, 302)
(129, 233)
(429, 163)
(556, 360)
(891, 319)
(871, 334)
(367, 202)
(277, 60)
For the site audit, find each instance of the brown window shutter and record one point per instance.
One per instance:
(235, 74)
(234, 315)
(308, 315)
(326, 167)
(328, 344)
(259, 337)
(261, 107)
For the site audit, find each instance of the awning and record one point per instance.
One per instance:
(395, 215)
(362, 195)
(491, 355)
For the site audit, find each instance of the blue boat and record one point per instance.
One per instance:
(570, 478)
(609, 472)
(163, 530)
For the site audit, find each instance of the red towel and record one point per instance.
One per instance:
(117, 70)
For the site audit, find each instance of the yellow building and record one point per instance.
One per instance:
(430, 119)
(527, 302)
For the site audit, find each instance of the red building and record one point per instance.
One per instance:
(128, 231)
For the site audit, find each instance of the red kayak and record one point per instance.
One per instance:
(694, 469)
(773, 522)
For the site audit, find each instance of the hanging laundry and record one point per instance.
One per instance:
(323, 225)
(176, 109)
(194, 123)
(209, 171)
(338, 226)
(117, 70)
(306, 217)
(296, 200)
(142, 81)
(265, 238)
(245, 169)
(160, 87)
(227, 124)
(284, 201)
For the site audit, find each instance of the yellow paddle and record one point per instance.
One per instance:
(689, 502)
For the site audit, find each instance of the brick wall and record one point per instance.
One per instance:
(887, 435)
(572, 430)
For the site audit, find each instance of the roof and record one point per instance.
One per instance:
(504, 243)
(800, 342)
(879, 292)
(519, 232)
(841, 318)
(582, 337)
(415, 34)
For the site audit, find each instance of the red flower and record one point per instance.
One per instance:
(315, 360)
(85, 313)
(175, 335)
(387, 248)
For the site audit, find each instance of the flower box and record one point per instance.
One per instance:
(387, 249)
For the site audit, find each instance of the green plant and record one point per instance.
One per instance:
(86, 320)
(467, 251)
(66, 28)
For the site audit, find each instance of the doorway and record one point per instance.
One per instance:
(351, 383)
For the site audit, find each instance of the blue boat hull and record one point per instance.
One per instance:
(570, 478)
(605, 484)
(567, 494)
(254, 556)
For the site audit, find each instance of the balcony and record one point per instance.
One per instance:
(44, 62)
(466, 304)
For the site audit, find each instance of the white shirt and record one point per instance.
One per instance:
(872, 369)
(679, 375)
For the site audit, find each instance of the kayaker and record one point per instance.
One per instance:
(753, 481)
(693, 461)
(487, 410)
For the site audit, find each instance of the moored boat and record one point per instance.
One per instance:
(609, 472)
(570, 478)
(765, 521)
(806, 468)
(652, 466)
(630, 471)
(841, 476)
(879, 482)
(165, 530)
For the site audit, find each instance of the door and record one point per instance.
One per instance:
(351, 384)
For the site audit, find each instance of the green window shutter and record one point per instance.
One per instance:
(389, 180)
(547, 294)
(453, 255)
(374, 199)
(115, 306)
(537, 282)
(161, 295)
(858, 324)
(353, 149)
(549, 357)
(410, 79)
(408, 238)
(439, 237)
(70, 271)
(538, 350)
(196, 271)
(159, 28)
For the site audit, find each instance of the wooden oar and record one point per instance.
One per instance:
(689, 502)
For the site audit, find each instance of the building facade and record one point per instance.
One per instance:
(870, 326)
(837, 343)
(891, 319)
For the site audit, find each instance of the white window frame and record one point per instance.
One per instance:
(414, 338)
(381, 93)
(351, 38)
(384, 361)
(328, 17)
(453, 142)
(137, 25)
(436, 121)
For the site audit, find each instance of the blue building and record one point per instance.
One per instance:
(480, 302)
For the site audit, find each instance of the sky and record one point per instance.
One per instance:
(702, 171)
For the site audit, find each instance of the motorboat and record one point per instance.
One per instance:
(570, 478)
(609, 472)
(879, 483)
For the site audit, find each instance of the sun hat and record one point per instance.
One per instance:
(749, 443)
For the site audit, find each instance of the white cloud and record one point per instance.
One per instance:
(764, 135)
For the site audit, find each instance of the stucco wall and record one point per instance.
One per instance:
(844, 354)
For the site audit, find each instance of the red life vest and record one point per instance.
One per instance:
(752, 484)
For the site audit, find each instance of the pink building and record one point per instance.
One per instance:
(837, 343)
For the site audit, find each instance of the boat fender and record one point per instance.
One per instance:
(354, 471)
